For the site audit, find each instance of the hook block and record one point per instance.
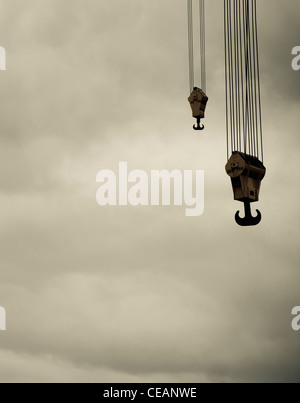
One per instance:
(198, 100)
(246, 173)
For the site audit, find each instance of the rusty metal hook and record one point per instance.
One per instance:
(198, 127)
(248, 220)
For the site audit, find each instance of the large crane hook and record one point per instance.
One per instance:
(246, 174)
(248, 220)
(198, 127)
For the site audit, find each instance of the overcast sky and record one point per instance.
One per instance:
(134, 294)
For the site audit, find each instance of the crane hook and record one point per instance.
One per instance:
(198, 127)
(248, 220)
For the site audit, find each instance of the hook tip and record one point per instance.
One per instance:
(198, 127)
(248, 220)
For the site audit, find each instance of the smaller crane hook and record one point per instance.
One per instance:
(198, 127)
(248, 220)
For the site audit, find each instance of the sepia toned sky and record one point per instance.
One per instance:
(140, 294)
